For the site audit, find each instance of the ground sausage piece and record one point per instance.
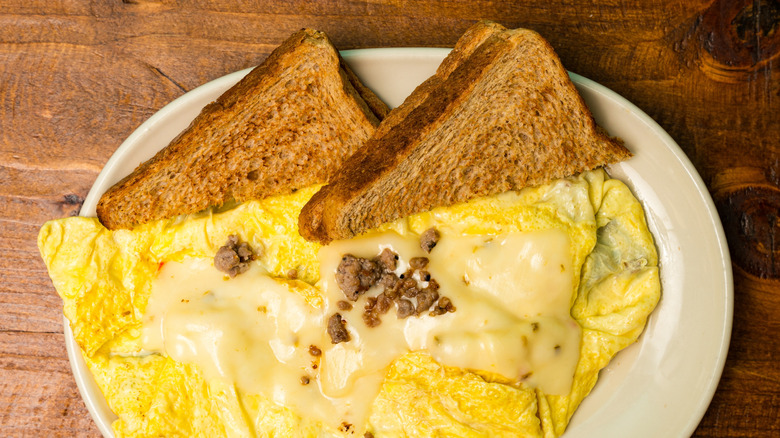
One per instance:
(371, 319)
(409, 288)
(356, 275)
(337, 329)
(383, 303)
(443, 306)
(226, 259)
(411, 292)
(348, 276)
(409, 282)
(389, 280)
(445, 303)
(343, 305)
(233, 258)
(371, 272)
(244, 251)
(392, 285)
(370, 303)
(314, 350)
(405, 308)
(418, 263)
(388, 260)
(369, 315)
(425, 299)
(428, 239)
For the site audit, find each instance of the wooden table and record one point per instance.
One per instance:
(77, 77)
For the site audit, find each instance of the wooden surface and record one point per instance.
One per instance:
(78, 76)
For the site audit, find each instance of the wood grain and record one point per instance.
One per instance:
(77, 77)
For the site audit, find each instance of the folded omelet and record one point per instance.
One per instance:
(106, 280)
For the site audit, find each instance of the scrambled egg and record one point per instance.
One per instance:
(105, 277)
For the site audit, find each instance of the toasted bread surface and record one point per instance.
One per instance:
(286, 125)
(470, 40)
(500, 114)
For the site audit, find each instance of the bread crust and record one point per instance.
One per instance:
(500, 114)
(288, 124)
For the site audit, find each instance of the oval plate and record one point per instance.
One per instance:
(660, 386)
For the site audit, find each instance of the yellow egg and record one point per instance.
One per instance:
(105, 280)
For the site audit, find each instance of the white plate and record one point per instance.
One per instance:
(659, 387)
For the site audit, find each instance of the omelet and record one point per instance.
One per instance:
(110, 283)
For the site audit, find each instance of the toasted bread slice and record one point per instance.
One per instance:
(474, 36)
(500, 114)
(288, 124)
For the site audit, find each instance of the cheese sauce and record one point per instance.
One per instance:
(512, 294)
(251, 330)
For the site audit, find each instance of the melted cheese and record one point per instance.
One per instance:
(251, 331)
(512, 293)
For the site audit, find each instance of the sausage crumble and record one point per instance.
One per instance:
(356, 275)
(428, 239)
(414, 292)
(337, 329)
(233, 257)
(444, 305)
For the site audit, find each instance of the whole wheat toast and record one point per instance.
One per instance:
(500, 114)
(288, 124)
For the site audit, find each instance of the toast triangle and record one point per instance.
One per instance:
(288, 124)
(500, 114)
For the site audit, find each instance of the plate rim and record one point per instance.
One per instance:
(83, 376)
(714, 217)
